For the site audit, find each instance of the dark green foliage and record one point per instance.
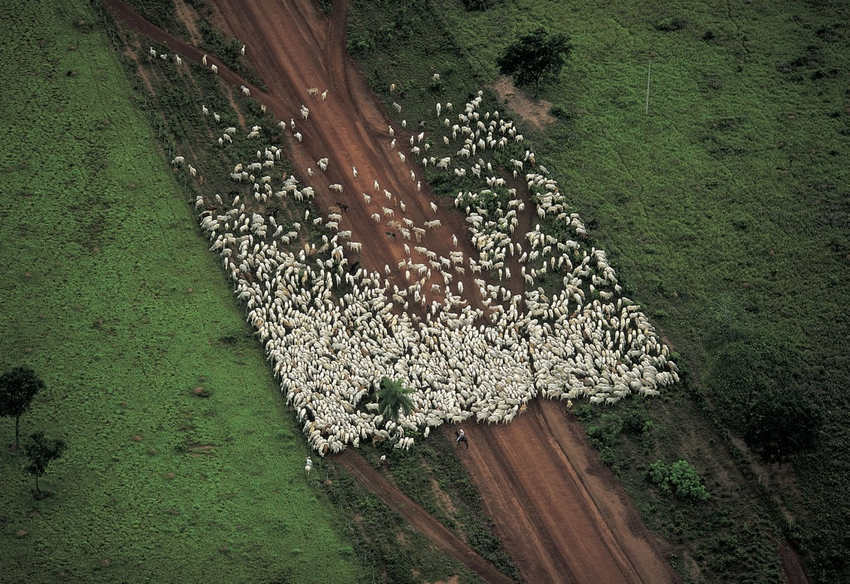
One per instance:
(18, 387)
(478, 4)
(41, 452)
(781, 424)
(392, 397)
(765, 398)
(670, 24)
(680, 479)
(534, 57)
(325, 6)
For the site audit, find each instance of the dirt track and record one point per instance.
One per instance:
(418, 517)
(560, 514)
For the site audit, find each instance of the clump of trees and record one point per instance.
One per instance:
(781, 424)
(535, 57)
(18, 387)
(755, 383)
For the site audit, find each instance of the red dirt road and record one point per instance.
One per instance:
(294, 49)
(561, 515)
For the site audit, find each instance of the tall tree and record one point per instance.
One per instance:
(392, 397)
(18, 387)
(534, 57)
(41, 452)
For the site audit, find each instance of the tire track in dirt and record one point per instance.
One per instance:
(435, 531)
(539, 471)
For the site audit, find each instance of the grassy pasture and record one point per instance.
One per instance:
(725, 210)
(110, 295)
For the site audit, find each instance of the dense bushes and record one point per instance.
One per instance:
(765, 397)
(680, 479)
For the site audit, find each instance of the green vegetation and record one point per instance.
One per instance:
(392, 550)
(111, 295)
(392, 398)
(724, 209)
(534, 57)
(433, 476)
(18, 387)
(41, 452)
(680, 479)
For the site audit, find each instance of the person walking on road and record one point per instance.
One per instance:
(461, 437)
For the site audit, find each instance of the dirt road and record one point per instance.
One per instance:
(366, 474)
(560, 513)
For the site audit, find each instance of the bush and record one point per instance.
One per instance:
(680, 479)
(670, 24)
(781, 423)
(478, 4)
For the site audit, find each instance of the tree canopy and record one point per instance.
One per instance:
(40, 452)
(392, 397)
(18, 387)
(534, 57)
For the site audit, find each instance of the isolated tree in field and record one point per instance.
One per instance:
(534, 57)
(40, 452)
(392, 397)
(17, 388)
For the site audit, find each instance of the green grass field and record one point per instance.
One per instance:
(725, 210)
(110, 295)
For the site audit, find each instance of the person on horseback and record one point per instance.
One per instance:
(461, 437)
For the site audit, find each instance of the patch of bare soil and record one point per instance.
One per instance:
(560, 512)
(187, 15)
(792, 566)
(143, 74)
(536, 112)
(239, 115)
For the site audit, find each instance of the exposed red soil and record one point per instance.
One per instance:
(792, 565)
(537, 112)
(560, 513)
(189, 18)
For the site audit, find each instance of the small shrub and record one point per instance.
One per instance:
(559, 112)
(478, 4)
(670, 24)
(680, 479)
